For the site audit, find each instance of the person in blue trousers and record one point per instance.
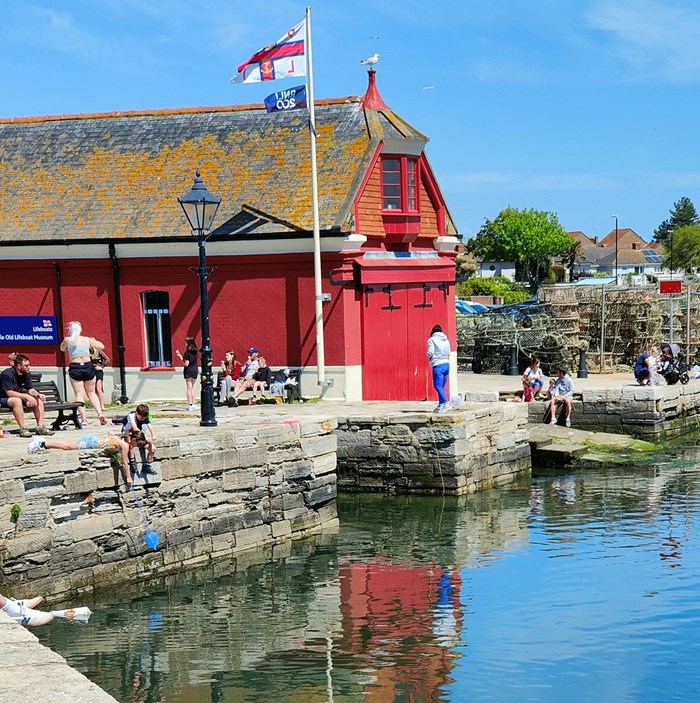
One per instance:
(439, 356)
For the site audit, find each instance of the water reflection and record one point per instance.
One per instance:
(579, 586)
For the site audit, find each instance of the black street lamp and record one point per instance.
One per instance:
(615, 216)
(200, 207)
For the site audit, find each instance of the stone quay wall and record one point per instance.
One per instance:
(217, 492)
(473, 448)
(651, 413)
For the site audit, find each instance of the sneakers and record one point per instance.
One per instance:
(146, 468)
(192, 407)
(553, 421)
(34, 618)
(455, 401)
(36, 445)
(437, 408)
(233, 402)
(568, 422)
(28, 602)
(24, 432)
(45, 431)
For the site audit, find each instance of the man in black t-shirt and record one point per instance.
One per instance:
(17, 393)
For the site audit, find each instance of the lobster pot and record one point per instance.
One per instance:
(491, 356)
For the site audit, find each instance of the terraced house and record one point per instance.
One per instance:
(91, 229)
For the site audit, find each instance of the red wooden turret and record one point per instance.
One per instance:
(372, 99)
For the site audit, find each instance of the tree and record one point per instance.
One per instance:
(528, 237)
(685, 254)
(682, 215)
(574, 252)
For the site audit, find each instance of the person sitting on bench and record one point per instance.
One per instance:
(246, 379)
(17, 393)
(261, 380)
(562, 392)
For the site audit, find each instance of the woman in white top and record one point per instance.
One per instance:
(533, 374)
(81, 370)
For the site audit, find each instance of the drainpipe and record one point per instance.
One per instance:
(120, 326)
(59, 322)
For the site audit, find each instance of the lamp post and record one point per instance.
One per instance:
(615, 216)
(200, 207)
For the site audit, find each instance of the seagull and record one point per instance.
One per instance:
(428, 87)
(374, 36)
(371, 60)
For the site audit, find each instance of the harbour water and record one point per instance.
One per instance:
(582, 586)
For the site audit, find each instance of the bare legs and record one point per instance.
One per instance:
(189, 389)
(83, 388)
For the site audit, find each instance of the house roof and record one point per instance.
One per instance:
(118, 175)
(626, 238)
(582, 238)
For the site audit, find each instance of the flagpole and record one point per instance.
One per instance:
(318, 291)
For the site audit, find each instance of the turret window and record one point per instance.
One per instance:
(400, 184)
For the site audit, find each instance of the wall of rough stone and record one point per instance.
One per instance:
(473, 448)
(217, 492)
(651, 413)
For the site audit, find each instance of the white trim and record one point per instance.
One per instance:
(186, 247)
(353, 383)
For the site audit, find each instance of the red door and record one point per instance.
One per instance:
(396, 323)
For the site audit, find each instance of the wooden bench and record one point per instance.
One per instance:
(67, 412)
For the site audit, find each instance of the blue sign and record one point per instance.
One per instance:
(290, 99)
(21, 330)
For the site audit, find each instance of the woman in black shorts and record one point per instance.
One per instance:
(190, 370)
(81, 370)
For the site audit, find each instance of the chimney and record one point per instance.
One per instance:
(372, 99)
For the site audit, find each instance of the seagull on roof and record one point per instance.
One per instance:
(371, 60)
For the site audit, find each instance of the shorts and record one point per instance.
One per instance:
(277, 388)
(4, 403)
(81, 370)
(88, 441)
(99, 375)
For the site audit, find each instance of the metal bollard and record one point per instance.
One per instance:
(513, 367)
(582, 370)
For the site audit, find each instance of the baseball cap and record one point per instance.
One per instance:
(253, 350)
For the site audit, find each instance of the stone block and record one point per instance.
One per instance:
(401, 454)
(253, 536)
(208, 485)
(309, 520)
(78, 555)
(252, 456)
(106, 478)
(346, 438)
(87, 528)
(316, 446)
(481, 397)
(320, 495)
(239, 479)
(294, 470)
(319, 427)
(281, 528)
(80, 482)
(323, 464)
(288, 452)
(180, 468)
(190, 505)
(11, 492)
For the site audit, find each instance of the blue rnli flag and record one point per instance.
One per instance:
(290, 99)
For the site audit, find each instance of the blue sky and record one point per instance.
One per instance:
(585, 108)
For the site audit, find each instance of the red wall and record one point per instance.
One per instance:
(263, 301)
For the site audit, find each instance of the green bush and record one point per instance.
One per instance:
(495, 286)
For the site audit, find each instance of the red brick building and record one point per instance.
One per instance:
(91, 229)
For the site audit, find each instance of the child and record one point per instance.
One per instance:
(134, 433)
(528, 391)
(111, 444)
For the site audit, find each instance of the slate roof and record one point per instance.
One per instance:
(117, 176)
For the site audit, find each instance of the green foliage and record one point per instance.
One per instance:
(464, 267)
(15, 511)
(685, 254)
(497, 286)
(682, 215)
(528, 237)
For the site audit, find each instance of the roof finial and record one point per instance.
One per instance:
(372, 99)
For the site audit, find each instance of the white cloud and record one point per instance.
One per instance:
(657, 38)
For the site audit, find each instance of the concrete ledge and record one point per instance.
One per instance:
(32, 673)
